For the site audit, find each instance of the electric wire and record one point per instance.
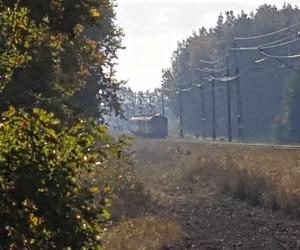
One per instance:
(208, 70)
(229, 79)
(279, 45)
(279, 60)
(215, 61)
(267, 34)
(280, 57)
(224, 79)
(277, 41)
(264, 47)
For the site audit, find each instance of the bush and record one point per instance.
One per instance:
(45, 201)
(129, 196)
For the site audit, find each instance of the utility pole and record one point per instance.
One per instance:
(213, 99)
(238, 95)
(228, 102)
(203, 115)
(163, 103)
(134, 104)
(141, 103)
(180, 114)
(150, 104)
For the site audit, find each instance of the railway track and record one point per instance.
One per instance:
(235, 144)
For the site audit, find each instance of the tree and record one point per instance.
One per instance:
(262, 85)
(57, 55)
(65, 54)
(287, 125)
(45, 200)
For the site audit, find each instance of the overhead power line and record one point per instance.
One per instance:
(221, 79)
(208, 70)
(268, 57)
(267, 34)
(224, 79)
(280, 57)
(264, 47)
(184, 90)
(204, 70)
(279, 60)
(199, 85)
(261, 60)
(177, 90)
(280, 44)
(215, 61)
(276, 41)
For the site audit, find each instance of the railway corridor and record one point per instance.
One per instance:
(210, 218)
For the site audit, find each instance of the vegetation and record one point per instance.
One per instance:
(140, 103)
(63, 179)
(262, 84)
(224, 189)
(264, 175)
(65, 183)
(143, 233)
(57, 60)
(55, 54)
(45, 200)
(287, 125)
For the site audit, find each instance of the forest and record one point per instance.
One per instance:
(266, 98)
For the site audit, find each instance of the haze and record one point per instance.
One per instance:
(152, 29)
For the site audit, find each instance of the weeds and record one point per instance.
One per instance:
(263, 176)
(145, 233)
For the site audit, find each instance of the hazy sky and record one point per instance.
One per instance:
(153, 27)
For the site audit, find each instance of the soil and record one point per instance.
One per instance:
(210, 218)
(214, 221)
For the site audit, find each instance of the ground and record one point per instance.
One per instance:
(210, 218)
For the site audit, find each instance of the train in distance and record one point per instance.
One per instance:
(151, 126)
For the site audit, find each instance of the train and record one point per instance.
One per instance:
(152, 126)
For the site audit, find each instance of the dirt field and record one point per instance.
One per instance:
(224, 196)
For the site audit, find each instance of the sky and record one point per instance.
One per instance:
(153, 27)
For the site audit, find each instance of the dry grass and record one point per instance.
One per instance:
(145, 233)
(264, 175)
(132, 207)
(169, 174)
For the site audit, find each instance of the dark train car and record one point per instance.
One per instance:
(155, 126)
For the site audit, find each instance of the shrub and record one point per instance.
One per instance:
(128, 193)
(45, 201)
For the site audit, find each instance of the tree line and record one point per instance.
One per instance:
(268, 104)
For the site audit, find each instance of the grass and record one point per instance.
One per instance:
(134, 223)
(168, 174)
(145, 233)
(267, 176)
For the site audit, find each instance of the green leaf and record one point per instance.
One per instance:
(105, 214)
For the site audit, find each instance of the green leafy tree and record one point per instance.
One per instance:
(19, 35)
(45, 200)
(59, 55)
